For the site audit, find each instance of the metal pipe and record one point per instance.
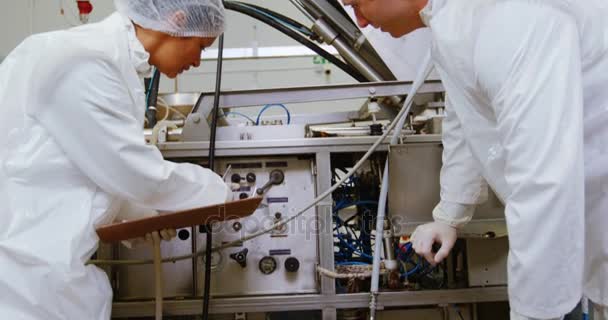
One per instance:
(389, 253)
(425, 70)
(324, 9)
(332, 38)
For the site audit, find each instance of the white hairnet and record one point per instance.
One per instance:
(180, 18)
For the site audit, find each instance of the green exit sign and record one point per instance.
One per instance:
(319, 60)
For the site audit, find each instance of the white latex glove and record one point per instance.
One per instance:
(231, 187)
(426, 235)
(165, 234)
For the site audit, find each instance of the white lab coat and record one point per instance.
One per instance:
(527, 82)
(72, 151)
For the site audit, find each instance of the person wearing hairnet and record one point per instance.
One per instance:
(73, 150)
(527, 112)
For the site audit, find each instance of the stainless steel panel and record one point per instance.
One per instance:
(229, 278)
(298, 239)
(137, 282)
(487, 261)
(414, 181)
(414, 187)
(263, 133)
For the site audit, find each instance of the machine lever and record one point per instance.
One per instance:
(276, 177)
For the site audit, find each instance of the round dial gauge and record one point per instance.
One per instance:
(268, 265)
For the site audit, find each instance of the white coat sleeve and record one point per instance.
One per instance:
(88, 110)
(462, 185)
(528, 62)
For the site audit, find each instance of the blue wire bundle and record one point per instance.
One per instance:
(346, 244)
(350, 245)
(405, 253)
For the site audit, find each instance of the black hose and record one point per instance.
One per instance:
(216, 107)
(208, 256)
(152, 99)
(216, 102)
(147, 82)
(288, 20)
(245, 9)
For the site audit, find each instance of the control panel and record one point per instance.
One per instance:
(282, 261)
(279, 262)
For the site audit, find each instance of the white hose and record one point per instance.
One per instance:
(424, 72)
(398, 122)
(161, 102)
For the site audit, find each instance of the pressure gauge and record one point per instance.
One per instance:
(268, 265)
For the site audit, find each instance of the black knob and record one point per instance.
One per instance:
(237, 226)
(235, 178)
(251, 177)
(292, 264)
(243, 196)
(240, 257)
(278, 215)
(183, 234)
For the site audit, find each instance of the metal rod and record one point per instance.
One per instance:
(300, 7)
(216, 108)
(158, 276)
(332, 38)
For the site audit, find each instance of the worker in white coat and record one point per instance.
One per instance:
(527, 111)
(73, 151)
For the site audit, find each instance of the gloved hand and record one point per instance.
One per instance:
(231, 187)
(165, 234)
(426, 235)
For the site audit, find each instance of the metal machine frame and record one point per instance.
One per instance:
(322, 149)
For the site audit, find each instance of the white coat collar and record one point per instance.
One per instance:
(138, 54)
(430, 10)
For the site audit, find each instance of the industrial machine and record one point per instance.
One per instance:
(319, 263)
